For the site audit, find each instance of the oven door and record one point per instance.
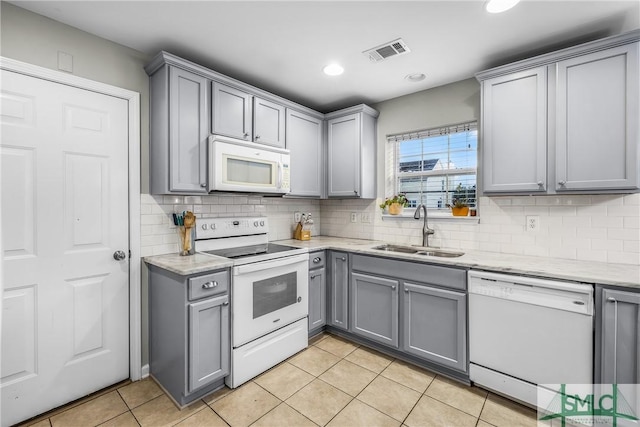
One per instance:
(268, 295)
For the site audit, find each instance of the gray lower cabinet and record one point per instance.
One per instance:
(179, 127)
(618, 338)
(317, 292)
(339, 290)
(189, 347)
(435, 324)
(374, 308)
(428, 321)
(304, 142)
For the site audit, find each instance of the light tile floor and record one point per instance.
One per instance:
(333, 382)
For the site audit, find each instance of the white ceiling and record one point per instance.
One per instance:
(283, 46)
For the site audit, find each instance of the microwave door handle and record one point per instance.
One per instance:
(279, 175)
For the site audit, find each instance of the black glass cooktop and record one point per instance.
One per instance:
(249, 251)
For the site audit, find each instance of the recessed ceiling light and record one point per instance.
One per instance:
(498, 6)
(414, 78)
(333, 70)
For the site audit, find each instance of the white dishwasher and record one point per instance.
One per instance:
(525, 331)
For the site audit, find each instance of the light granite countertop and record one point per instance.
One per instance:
(580, 271)
(190, 264)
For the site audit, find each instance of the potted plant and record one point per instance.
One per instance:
(395, 204)
(459, 204)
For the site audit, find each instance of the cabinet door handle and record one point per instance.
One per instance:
(317, 260)
(611, 299)
(393, 287)
(209, 285)
(540, 184)
(355, 192)
(562, 183)
(225, 303)
(313, 277)
(342, 259)
(406, 291)
(257, 137)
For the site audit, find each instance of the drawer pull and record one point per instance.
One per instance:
(317, 260)
(209, 285)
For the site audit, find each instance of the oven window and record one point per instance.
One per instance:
(272, 294)
(249, 172)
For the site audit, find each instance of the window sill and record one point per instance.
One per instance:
(440, 217)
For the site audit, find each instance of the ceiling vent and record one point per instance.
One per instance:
(387, 50)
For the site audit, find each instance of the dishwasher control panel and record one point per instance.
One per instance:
(567, 296)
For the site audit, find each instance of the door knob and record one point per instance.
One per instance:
(119, 255)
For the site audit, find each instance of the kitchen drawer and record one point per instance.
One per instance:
(208, 285)
(316, 259)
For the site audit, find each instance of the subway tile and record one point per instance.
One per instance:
(626, 210)
(591, 232)
(584, 254)
(173, 200)
(565, 252)
(622, 234)
(632, 199)
(630, 246)
(562, 211)
(630, 222)
(632, 258)
(536, 251)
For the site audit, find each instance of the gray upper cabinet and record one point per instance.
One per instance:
(351, 162)
(239, 114)
(304, 142)
(619, 343)
(268, 122)
(374, 308)
(435, 324)
(231, 112)
(339, 290)
(597, 120)
(514, 109)
(566, 121)
(179, 126)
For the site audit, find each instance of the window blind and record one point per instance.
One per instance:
(436, 166)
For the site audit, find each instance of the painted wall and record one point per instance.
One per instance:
(35, 39)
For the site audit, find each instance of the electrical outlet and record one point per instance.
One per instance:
(533, 222)
(366, 218)
(354, 217)
(297, 216)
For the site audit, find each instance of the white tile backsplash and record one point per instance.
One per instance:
(591, 228)
(159, 235)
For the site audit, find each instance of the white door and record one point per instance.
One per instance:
(64, 183)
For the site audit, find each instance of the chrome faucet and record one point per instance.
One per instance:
(426, 231)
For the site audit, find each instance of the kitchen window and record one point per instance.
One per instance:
(436, 166)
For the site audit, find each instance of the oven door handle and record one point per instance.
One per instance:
(266, 265)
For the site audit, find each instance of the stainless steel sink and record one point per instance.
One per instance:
(442, 254)
(425, 252)
(396, 248)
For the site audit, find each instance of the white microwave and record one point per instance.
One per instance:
(236, 165)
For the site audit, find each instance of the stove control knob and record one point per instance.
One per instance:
(212, 226)
(205, 226)
(261, 223)
(255, 223)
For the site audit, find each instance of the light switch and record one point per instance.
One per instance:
(65, 62)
